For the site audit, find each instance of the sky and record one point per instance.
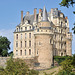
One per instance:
(10, 15)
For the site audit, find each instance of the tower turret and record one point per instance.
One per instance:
(44, 18)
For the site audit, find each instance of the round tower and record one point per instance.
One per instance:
(43, 42)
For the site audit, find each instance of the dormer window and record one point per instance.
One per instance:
(21, 28)
(17, 29)
(30, 27)
(25, 28)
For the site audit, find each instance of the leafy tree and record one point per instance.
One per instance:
(17, 67)
(67, 66)
(68, 3)
(4, 46)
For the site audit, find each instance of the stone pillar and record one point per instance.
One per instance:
(27, 13)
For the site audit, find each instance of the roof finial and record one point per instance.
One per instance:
(44, 15)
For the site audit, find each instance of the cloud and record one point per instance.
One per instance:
(9, 34)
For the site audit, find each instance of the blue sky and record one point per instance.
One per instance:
(10, 14)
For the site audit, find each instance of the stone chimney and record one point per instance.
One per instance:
(40, 10)
(21, 17)
(35, 12)
(27, 13)
(66, 18)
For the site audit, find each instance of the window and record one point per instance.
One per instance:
(61, 24)
(25, 28)
(16, 36)
(21, 36)
(25, 43)
(25, 52)
(55, 36)
(29, 35)
(61, 38)
(37, 30)
(16, 43)
(29, 43)
(21, 44)
(17, 29)
(21, 28)
(37, 51)
(50, 41)
(30, 27)
(25, 35)
(29, 51)
(20, 52)
(16, 52)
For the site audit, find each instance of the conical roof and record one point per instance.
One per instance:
(44, 15)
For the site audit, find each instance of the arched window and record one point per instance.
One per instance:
(21, 36)
(21, 44)
(25, 52)
(21, 28)
(25, 35)
(29, 51)
(16, 52)
(16, 36)
(25, 43)
(16, 43)
(29, 43)
(20, 52)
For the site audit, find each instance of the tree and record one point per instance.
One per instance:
(4, 46)
(68, 3)
(17, 67)
(67, 66)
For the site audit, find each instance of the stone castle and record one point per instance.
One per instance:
(42, 36)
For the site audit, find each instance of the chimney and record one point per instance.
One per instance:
(66, 17)
(21, 17)
(35, 14)
(27, 13)
(40, 10)
(51, 11)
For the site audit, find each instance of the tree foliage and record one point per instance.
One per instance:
(17, 67)
(60, 59)
(67, 66)
(4, 46)
(67, 3)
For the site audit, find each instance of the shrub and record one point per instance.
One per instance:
(17, 67)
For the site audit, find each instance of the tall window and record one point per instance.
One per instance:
(21, 28)
(29, 35)
(16, 36)
(21, 44)
(61, 24)
(25, 52)
(21, 36)
(17, 29)
(29, 51)
(37, 30)
(30, 27)
(25, 35)
(25, 28)
(29, 43)
(50, 41)
(20, 52)
(25, 43)
(16, 43)
(16, 52)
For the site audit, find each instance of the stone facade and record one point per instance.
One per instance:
(42, 36)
